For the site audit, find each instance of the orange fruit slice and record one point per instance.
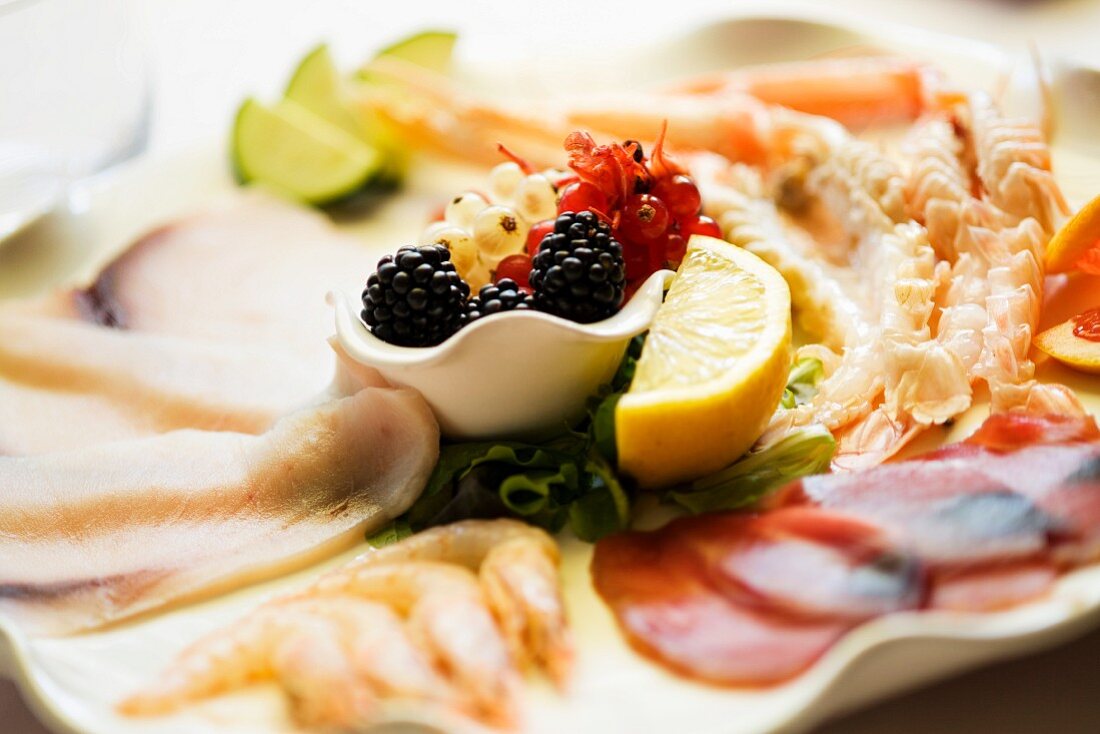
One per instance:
(1070, 349)
(1076, 246)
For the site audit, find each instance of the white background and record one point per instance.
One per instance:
(206, 54)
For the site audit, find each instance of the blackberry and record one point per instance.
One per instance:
(504, 295)
(579, 272)
(415, 298)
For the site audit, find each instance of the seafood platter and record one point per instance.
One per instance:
(720, 402)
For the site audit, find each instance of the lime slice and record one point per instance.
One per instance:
(713, 368)
(430, 49)
(292, 150)
(317, 86)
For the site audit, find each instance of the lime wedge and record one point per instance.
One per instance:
(430, 49)
(296, 152)
(318, 86)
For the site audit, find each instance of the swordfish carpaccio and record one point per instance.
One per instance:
(175, 429)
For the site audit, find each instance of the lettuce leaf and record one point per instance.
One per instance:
(559, 483)
(802, 382)
(804, 451)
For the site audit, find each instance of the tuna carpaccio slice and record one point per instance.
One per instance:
(755, 598)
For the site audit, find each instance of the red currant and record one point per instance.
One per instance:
(704, 226)
(581, 196)
(680, 194)
(516, 267)
(535, 235)
(644, 218)
(637, 260)
(675, 247)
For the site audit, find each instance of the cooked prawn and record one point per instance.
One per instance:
(289, 643)
(448, 616)
(855, 91)
(428, 109)
(517, 568)
(989, 306)
(734, 196)
(1014, 166)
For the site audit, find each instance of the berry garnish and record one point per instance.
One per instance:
(680, 195)
(535, 235)
(516, 268)
(704, 226)
(579, 270)
(675, 248)
(415, 298)
(610, 168)
(582, 196)
(504, 295)
(644, 217)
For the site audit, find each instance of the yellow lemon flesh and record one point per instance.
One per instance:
(1079, 235)
(713, 369)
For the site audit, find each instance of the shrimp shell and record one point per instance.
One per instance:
(862, 187)
(734, 198)
(855, 91)
(1015, 168)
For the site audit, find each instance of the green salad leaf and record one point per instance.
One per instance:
(568, 481)
(802, 382)
(804, 451)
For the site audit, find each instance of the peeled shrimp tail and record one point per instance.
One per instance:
(518, 570)
(462, 634)
(1014, 166)
(520, 583)
(448, 616)
(302, 651)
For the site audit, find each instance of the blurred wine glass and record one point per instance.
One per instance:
(74, 99)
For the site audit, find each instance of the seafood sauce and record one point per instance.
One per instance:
(1087, 325)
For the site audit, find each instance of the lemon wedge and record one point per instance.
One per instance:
(713, 368)
(1071, 243)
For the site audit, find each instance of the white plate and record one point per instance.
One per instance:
(72, 682)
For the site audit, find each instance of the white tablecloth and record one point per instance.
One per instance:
(207, 54)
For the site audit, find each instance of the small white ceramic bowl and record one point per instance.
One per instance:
(522, 374)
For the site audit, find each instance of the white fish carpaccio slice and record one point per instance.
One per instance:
(255, 269)
(66, 384)
(217, 321)
(174, 428)
(95, 534)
